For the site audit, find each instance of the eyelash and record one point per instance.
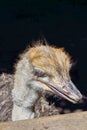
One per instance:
(40, 74)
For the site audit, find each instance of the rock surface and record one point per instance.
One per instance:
(75, 121)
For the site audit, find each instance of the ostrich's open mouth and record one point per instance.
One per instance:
(69, 91)
(63, 94)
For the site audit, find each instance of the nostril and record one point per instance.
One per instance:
(65, 89)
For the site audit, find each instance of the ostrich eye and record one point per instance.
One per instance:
(39, 73)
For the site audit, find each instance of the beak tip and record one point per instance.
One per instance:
(80, 98)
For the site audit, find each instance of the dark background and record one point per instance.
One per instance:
(62, 22)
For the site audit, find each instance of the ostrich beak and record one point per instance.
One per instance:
(68, 91)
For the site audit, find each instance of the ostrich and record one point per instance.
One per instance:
(40, 68)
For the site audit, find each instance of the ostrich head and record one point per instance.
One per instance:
(50, 70)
